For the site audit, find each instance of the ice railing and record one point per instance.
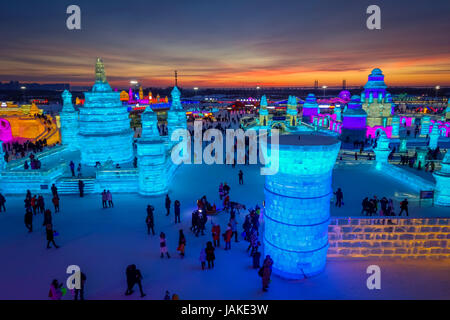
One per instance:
(389, 237)
(43, 172)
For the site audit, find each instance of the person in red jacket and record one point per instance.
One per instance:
(227, 236)
(216, 234)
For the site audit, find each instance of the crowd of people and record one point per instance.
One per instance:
(382, 207)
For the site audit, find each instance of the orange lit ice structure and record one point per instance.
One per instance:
(138, 98)
(24, 125)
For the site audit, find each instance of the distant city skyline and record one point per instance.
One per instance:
(233, 44)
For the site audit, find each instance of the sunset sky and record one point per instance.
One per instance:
(216, 43)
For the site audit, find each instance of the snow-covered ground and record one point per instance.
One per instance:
(104, 241)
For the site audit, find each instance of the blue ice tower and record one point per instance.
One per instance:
(2, 157)
(434, 137)
(151, 153)
(425, 126)
(395, 126)
(176, 116)
(382, 151)
(69, 122)
(442, 191)
(297, 204)
(104, 124)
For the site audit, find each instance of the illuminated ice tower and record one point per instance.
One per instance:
(310, 108)
(104, 125)
(291, 111)
(2, 157)
(395, 127)
(377, 102)
(354, 120)
(447, 111)
(263, 112)
(382, 151)
(69, 122)
(151, 152)
(425, 123)
(442, 191)
(434, 137)
(297, 204)
(176, 116)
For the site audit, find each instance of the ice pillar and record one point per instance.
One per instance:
(395, 127)
(151, 152)
(421, 157)
(442, 191)
(297, 205)
(382, 151)
(425, 126)
(403, 146)
(434, 137)
(2, 157)
(176, 116)
(69, 122)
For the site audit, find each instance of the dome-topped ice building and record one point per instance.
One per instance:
(377, 102)
(104, 125)
(310, 108)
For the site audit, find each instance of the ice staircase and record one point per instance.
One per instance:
(70, 185)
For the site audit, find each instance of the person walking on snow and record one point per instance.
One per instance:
(104, 199)
(163, 245)
(181, 243)
(265, 272)
(203, 258)
(227, 237)
(210, 256)
(2, 203)
(109, 198)
(339, 197)
(168, 202)
(28, 219)
(241, 177)
(177, 211)
(50, 236)
(134, 276)
(216, 234)
(150, 220)
(55, 201)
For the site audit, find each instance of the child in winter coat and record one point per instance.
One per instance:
(216, 234)
(227, 237)
(163, 245)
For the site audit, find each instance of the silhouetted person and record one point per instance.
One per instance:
(150, 219)
(81, 188)
(134, 276)
(241, 177)
(177, 211)
(404, 207)
(168, 202)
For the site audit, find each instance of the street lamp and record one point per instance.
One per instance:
(324, 89)
(23, 88)
(437, 88)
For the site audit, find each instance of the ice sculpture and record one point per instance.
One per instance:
(104, 126)
(425, 126)
(176, 116)
(69, 122)
(434, 137)
(297, 204)
(263, 112)
(310, 107)
(292, 111)
(382, 151)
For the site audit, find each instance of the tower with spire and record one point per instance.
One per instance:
(377, 103)
(104, 124)
(152, 157)
(176, 116)
(69, 122)
(263, 112)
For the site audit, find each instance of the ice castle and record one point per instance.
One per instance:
(104, 124)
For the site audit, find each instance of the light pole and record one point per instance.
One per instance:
(23, 88)
(324, 89)
(437, 88)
